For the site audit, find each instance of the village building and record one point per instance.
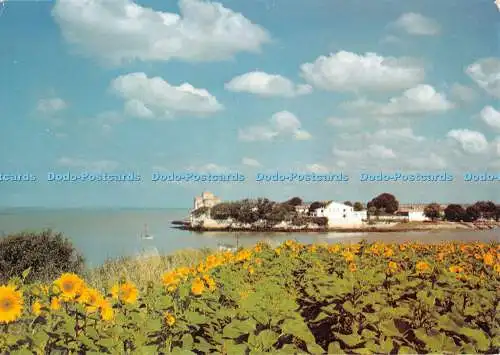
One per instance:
(339, 214)
(207, 199)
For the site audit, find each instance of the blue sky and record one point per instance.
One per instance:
(247, 86)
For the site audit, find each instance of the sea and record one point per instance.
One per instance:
(102, 234)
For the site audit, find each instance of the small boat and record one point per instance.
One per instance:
(145, 234)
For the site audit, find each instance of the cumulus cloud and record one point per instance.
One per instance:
(121, 30)
(486, 74)
(431, 161)
(373, 151)
(385, 135)
(156, 98)
(207, 168)
(418, 100)
(89, 165)
(317, 168)
(351, 72)
(284, 124)
(490, 116)
(417, 24)
(463, 93)
(250, 162)
(51, 106)
(471, 141)
(264, 84)
(343, 122)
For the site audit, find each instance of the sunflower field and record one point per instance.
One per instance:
(359, 298)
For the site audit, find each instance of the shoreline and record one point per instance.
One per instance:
(398, 228)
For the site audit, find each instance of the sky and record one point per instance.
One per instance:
(313, 86)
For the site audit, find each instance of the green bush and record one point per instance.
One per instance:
(47, 253)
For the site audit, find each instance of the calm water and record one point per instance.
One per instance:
(102, 234)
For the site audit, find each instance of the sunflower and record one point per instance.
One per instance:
(70, 285)
(115, 291)
(352, 267)
(456, 269)
(170, 279)
(422, 266)
(169, 319)
(11, 304)
(128, 292)
(55, 303)
(198, 286)
(106, 309)
(91, 298)
(392, 267)
(489, 259)
(348, 256)
(388, 253)
(36, 308)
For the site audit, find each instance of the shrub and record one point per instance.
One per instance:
(48, 254)
(200, 211)
(303, 220)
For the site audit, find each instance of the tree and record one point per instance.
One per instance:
(454, 213)
(432, 211)
(348, 203)
(472, 213)
(264, 207)
(386, 202)
(372, 211)
(294, 201)
(487, 209)
(315, 205)
(358, 206)
(47, 253)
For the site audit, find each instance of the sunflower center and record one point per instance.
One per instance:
(68, 286)
(6, 304)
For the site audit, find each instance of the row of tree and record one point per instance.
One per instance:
(253, 210)
(457, 213)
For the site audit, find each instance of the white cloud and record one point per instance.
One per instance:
(463, 93)
(418, 100)
(470, 141)
(343, 122)
(51, 105)
(373, 151)
(263, 84)
(395, 134)
(283, 123)
(380, 151)
(385, 135)
(390, 39)
(486, 73)
(207, 168)
(121, 30)
(250, 162)
(317, 168)
(257, 133)
(89, 165)
(431, 161)
(301, 135)
(417, 24)
(351, 72)
(137, 108)
(155, 97)
(490, 116)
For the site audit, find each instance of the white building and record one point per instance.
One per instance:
(339, 214)
(207, 199)
(413, 212)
